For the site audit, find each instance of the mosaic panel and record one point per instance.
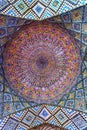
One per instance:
(62, 117)
(75, 22)
(38, 9)
(43, 65)
(72, 115)
(70, 100)
(8, 25)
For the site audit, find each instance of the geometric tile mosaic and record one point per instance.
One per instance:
(8, 25)
(62, 117)
(45, 114)
(76, 99)
(11, 123)
(38, 9)
(28, 119)
(75, 21)
(71, 111)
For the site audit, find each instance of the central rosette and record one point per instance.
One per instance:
(42, 63)
(41, 66)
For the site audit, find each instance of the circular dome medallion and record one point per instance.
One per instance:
(42, 63)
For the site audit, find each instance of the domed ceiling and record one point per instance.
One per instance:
(43, 64)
